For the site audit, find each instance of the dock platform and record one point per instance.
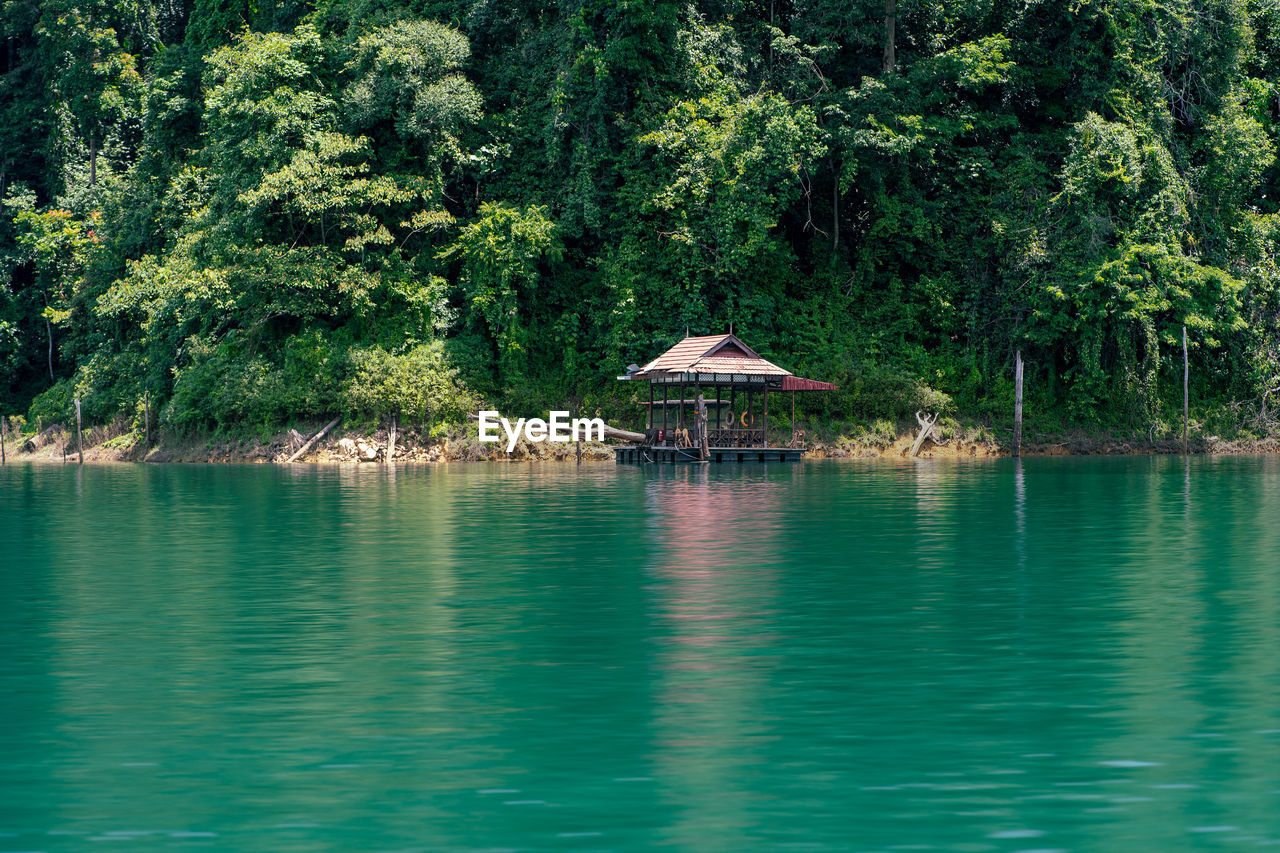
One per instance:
(640, 453)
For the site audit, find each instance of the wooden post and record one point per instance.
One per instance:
(704, 452)
(765, 433)
(146, 414)
(733, 410)
(1017, 404)
(649, 425)
(4, 433)
(664, 411)
(1186, 392)
(391, 441)
(793, 418)
(680, 405)
(79, 434)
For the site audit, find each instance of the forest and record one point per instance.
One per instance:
(244, 214)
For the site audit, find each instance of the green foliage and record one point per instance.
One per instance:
(257, 212)
(54, 405)
(502, 255)
(417, 385)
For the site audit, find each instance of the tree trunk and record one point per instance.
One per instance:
(304, 448)
(926, 428)
(93, 161)
(391, 441)
(40, 439)
(890, 21)
(49, 328)
(79, 433)
(835, 207)
(1186, 392)
(1017, 403)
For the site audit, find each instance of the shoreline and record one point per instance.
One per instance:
(365, 447)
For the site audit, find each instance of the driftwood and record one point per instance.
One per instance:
(321, 434)
(40, 439)
(926, 430)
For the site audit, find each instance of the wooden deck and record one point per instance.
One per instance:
(649, 453)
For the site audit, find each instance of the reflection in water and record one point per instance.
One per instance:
(1071, 654)
(717, 543)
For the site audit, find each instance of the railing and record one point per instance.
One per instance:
(735, 437)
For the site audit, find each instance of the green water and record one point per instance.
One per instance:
(1078, 654)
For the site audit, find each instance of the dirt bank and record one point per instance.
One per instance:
(102, 444)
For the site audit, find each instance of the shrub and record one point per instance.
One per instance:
(54, 405)
(418, 385)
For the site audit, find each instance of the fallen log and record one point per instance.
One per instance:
(321, 434)
(40, 439)
(622, 434)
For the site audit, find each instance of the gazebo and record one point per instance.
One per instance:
(730, 425)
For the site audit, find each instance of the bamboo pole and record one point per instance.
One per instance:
(79, 434)
(1186, 391)
(1017, 404)
(304, 448)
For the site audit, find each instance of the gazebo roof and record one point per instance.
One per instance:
(713, 354)
(722, 355)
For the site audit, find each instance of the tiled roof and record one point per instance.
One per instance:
(713, 354)
(749, 366)
(684, 354)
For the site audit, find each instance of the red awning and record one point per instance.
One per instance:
(795, 383)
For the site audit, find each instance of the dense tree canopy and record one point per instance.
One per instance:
(255, 212)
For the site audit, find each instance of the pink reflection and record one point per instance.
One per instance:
(719, 544)
(718, 548)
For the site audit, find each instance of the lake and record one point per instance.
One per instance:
(1062, 654)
